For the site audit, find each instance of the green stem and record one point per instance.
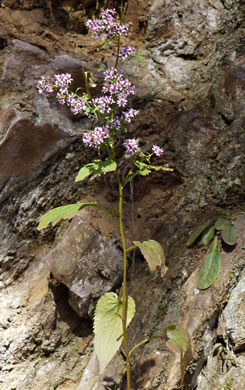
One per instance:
(142, 343)
(131, 248)
(124, 285)
(118, 50)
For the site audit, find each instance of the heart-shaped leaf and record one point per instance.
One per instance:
(221, 223)
(229, 234)
(208, 235)
(154, 254)
(196, 233)
(178, 339)
(108, 326)
(97, 168)
(210, 267)
(64, 212)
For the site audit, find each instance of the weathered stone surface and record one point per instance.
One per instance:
(87, 265)
(232, 323)
(231, 91)
(186, 48)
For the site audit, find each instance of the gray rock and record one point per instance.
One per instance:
(87, 265)
(232, 324)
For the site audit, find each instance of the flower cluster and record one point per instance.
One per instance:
(116, 90)
(107, 25)
(45, 85)
(126, 51)
(95, 138)
(77, 104)
(128, 115)
(104, 103)
(116, 84)
(157, 150)
(59, 82)
(131, 146)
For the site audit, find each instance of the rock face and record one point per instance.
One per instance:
(87, 265)
(191, 92)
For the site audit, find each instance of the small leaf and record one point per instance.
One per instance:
(196, 233)
(210, 267)
(221, 223)
(229, 234)
(145, 169)
(97, 168)
(235, 214)
(178, 339)
(108, 326)
(64, 212)
(154, 255)
(138, 57)
(208, 235)
(102, 69)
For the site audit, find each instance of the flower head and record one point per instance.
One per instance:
(107, 25)
(117, 86)
(45, 85)
(126, 51)
(157, 150)
(95, 138)
(131, 146)
(130, 114)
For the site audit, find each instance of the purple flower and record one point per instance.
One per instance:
(104, 103)
(76, 104)
(130, 114)
(63, 80)
(61, 98)
(117, 84)
(126, 51)
(132, 146)
(45, 85)
(95, 138)
(107, 25)
(157, 150)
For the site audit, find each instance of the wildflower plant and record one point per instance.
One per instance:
(109, 116)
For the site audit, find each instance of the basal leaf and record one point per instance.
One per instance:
(154, 255)
(178, 339)
(108, 326)
(221, 223)
(237, 213)
(97, 168)
(208, 235)
(196, 233)
(64, 212)
(229, 234)
(210, 267)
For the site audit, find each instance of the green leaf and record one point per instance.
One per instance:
(154, 255)
(144, 169)
(237, 213)
(196, 233)
(210, 267)
(108, 326)
(138, 57)
(97, 168)
(221, 223)
(64, 212)
(229, 234)
(178, 339)
(208, 235)
(102, 69)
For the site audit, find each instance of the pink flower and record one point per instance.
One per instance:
(157, 150)
(132, 146)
